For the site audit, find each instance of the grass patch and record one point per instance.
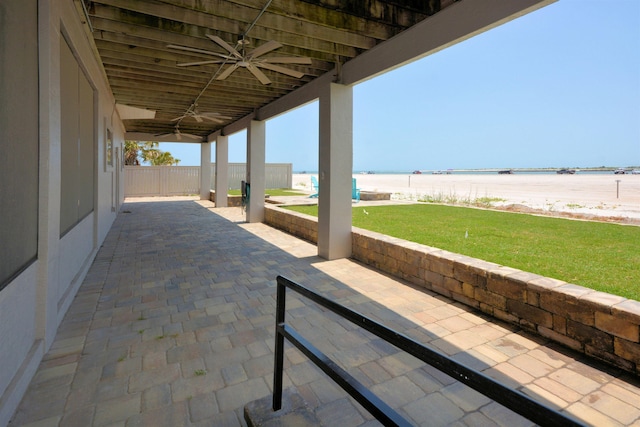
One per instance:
(273, 192)
(600, 256)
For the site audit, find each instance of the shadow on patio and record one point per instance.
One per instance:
(174, 325)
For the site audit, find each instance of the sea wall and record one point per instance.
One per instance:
(597, 324)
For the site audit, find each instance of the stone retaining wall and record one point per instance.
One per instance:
(300, 225)
(374, 195)
(232, 201)
(600, 325)
(235, 201)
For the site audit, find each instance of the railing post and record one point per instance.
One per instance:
(279, 347)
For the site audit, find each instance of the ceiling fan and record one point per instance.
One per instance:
(179, 135)
(249, 60)
(200, 117)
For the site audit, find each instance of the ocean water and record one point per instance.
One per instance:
(476, 172)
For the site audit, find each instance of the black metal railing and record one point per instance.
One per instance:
(510, 398)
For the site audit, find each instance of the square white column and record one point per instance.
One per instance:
(335, 171)
(222, 171)
(205, 170)
(256, 143)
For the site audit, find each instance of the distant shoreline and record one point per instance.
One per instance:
(552, 170)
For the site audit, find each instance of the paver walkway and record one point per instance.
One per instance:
(174, 325)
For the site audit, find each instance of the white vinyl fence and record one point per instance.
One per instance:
(185, 180)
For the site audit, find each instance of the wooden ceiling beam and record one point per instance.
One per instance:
(119, 53)
(401, 13)
(239, 85)
(147, 98)
(130, 34)
(185, 99)
(202, 74)
(226, 30)
(297, 13)
(131, 37)
(131, 43)
(197, 126)
(239, 17)
(133, 63)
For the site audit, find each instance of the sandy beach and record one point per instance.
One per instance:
(587, 194)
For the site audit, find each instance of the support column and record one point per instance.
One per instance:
(205, 170)
(335, 170)
(222, 171)
(256, 142)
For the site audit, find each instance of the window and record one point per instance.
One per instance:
(18, 137)
(77, 141)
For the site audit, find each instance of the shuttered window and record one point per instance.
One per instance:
(18, 137)
(77, 142)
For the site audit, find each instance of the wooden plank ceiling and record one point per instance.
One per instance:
(132, 39)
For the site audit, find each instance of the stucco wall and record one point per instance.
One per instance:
(75, 254)
(35, 301)
(17, 339)
(600, 325)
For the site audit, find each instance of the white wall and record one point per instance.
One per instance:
(17, 340)
(33, 304)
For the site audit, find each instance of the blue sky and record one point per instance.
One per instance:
(559, 87)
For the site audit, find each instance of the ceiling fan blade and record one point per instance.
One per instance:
(166, 135)
(225, 45)
(258, 74)
(214, 115)
(287, 60)
(226, 73)
(261, 50)
(214, 119)
(179, 136)
(191, 49)
(279, 69)
(189, 64)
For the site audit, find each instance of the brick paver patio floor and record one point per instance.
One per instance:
(174, 325)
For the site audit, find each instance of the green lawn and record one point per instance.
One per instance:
(273, 192)
(600, 256)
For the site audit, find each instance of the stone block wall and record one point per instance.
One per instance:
(600, 325)
(232, 201)
(374, 195)
(300, 225)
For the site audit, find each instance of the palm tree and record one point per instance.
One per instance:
(131, 151)
(164, 158)
(147, 151)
